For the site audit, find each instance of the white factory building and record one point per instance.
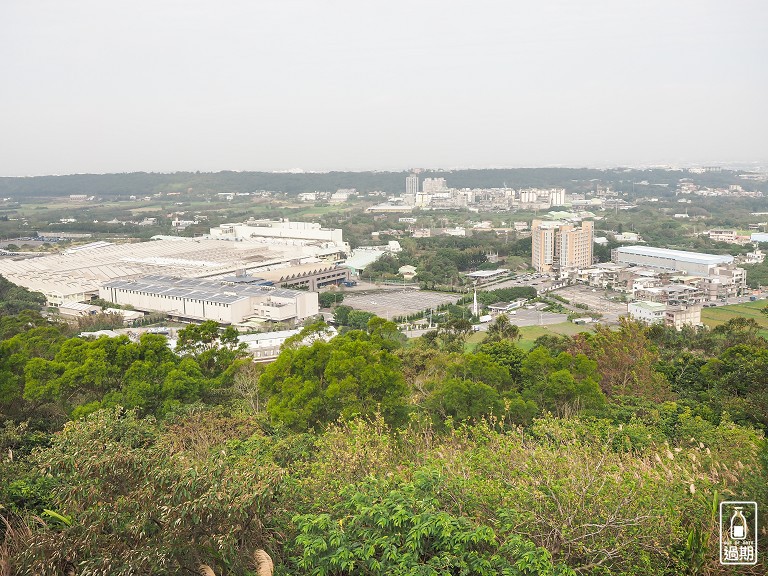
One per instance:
(671, 260)
(308, 238)
(193, 299)
(716, 276)
(255, 248)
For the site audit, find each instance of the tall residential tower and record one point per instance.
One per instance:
(412, 184)
(561, 247)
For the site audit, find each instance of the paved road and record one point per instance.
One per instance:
(597, 302)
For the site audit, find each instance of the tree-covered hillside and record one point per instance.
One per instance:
(142, 183)
(14, 299)
(370, 454)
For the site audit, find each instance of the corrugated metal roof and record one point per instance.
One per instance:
(679, 255)
(196, 289)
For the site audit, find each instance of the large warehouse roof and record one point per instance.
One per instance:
(679, 255)
(85, 269)
(198, 289)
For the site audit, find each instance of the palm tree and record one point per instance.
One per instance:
(503, 329)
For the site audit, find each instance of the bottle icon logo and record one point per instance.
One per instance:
(738, 533)
(738, 524)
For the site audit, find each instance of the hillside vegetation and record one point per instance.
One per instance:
(599, 453)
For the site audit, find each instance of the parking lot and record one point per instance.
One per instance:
(398, 303)
(596, 300)
(541, 282)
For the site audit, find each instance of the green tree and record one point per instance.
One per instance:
(341, 315)
(328, 299)
(481, 367)
(453, 334)
(14, 299)
(380, 530)
(462, 400)
(740, 378)
(84, 375)
(564, 384)
(502, 329)
(351, 375)
(215, 350)
(626, 361)
(137, 501)
(505, 353)
(358, 319)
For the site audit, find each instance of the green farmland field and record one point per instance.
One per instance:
(720, 315)
(530, 333)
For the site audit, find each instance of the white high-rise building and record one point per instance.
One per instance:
(412, 184)
(557, 197)
(433, 185)
(528, 196)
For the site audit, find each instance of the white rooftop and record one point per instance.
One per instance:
(679, 255)
(78, 306)
(279, 334)
(360, 259)
(84, 269)
(650, 306)
(487, 273)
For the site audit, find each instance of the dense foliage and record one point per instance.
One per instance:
(367, 454)
(14, 299)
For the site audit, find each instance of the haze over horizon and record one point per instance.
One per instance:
(94, 87)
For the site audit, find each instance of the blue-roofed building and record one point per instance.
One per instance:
(196, 299)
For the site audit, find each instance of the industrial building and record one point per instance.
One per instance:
(74, 310)
(715, 277)
(306, 238)
(668, 260)
(307, 276)
(191, 299)
(260, 250)
(266, 346)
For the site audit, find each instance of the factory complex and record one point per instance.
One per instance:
(671, 260)
(193, 299)
(238, 271)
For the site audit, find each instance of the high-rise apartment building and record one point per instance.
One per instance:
(561, 247)
(412, 184)
(557, 197)
(433, 185)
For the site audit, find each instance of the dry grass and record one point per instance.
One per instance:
(15, 538)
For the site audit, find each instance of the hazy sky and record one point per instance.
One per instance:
(161, 85)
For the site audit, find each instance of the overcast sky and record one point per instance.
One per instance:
(162, 85)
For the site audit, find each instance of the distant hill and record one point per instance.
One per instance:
(143, 183)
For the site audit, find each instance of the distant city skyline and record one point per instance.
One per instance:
(166, 86)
